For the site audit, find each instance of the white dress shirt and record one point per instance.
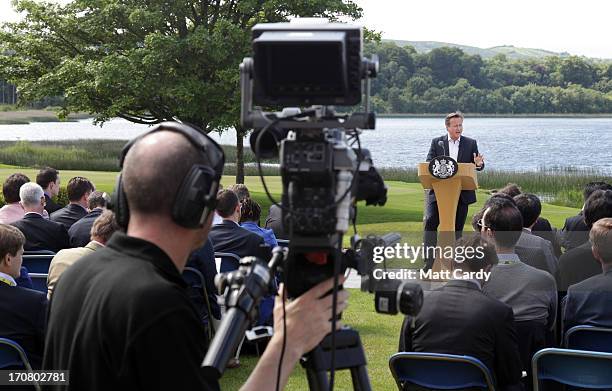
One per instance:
(453, 147)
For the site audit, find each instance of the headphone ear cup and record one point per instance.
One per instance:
(196, 198)
(119, 205)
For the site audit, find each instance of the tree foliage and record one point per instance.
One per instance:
(143, 60)
(447, 79)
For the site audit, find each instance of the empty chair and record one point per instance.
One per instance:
(37, 263)
(577, 368)
(583, 337)
(440, 371)
(226, 262)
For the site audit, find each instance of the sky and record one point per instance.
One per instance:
(578, 27)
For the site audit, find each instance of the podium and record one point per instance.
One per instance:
(447, 192)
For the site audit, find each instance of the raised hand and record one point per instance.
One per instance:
(478, 160)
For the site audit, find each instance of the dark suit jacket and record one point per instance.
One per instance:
(51, 206)
(203, 259)
(589, 302)
(574, 232)
(42, 234)
(543, 229)
(577, 265)
(229, 237)
(24, 313)
(274, 221)
(68, 215)
(79, 232)
(459, 319)
(467, 147)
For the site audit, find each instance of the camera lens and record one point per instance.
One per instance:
(393, 296)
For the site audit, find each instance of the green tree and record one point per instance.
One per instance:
(144, 60)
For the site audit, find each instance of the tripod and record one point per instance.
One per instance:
(349, 355)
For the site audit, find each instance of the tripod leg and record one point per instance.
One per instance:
(361, 381)
(317, 380)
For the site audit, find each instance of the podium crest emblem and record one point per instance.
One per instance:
(443, 167)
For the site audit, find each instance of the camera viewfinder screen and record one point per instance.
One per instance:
(304, 69)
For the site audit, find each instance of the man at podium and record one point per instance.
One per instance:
(463, 150)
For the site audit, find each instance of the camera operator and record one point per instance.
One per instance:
(120, 318)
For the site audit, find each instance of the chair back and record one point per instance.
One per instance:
(226, 262)
(577, 368)
(583, 337)
(38, 252)
(37, 263)
(13, 355)
(440, 371)
(39, 282)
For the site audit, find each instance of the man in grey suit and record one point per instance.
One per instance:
(589, 302)
(463, 150)
(531, 245)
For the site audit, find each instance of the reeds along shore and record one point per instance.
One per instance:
(559, 186)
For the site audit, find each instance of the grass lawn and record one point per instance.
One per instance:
(379, 333)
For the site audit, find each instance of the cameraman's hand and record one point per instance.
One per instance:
(308, 316)
(308, 320)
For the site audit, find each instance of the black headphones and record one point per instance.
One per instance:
(197, 195)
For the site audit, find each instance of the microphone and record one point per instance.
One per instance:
(441, 144)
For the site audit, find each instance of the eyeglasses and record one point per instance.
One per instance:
(480, 223)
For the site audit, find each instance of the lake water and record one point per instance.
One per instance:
(507, 143)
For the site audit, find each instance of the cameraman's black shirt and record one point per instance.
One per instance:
(120, 319)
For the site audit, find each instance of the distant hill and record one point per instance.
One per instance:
(510, 51)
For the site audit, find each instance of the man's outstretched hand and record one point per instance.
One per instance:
(478, 160)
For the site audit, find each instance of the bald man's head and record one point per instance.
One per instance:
(154, 169)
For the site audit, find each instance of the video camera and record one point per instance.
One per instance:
(324, 172)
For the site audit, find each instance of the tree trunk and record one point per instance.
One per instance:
(239, 154)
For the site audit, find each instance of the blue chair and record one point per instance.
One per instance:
(13, 355)
(594, 339)
(39, 282)
(440, 371)
(577, 368)
(228, 262)
(37, 263)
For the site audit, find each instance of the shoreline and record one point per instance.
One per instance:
(485, 115)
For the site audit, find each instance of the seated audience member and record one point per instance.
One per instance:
(79, 233)
(13, 210)
(79, 189)
(40, 233)
(531, 293)
(242, 192)
(530, 207)
(590, 302)
(459, 319)
(575, 231)
(48, 178)
(229, 237)
(532, 256)
(274, 221)
(579, 264)
(24, 311)
(101, 231)
(250, 212)
(542, 226)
